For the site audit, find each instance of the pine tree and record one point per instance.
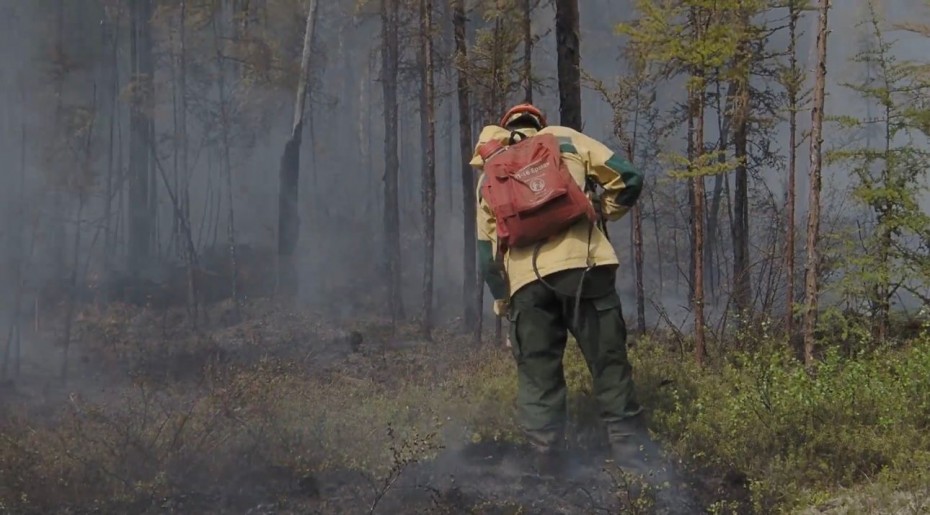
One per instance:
(811, 267)
(791, 78)
(890, 178)
(689, 37)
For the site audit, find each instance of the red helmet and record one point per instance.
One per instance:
(523, 110)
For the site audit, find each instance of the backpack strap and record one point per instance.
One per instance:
(590, 185)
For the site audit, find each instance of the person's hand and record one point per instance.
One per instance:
(501, 307)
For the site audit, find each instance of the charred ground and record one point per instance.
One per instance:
(284, 410)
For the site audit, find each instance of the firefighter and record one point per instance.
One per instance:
(566, 284)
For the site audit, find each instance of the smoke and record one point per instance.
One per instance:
(51, 91)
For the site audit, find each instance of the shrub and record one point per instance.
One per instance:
(797, 435)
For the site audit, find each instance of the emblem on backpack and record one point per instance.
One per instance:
(537, 185)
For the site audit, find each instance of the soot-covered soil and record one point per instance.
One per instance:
(285, 412)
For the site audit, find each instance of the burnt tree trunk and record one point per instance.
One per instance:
(141, 137)
(569, 62)
(289, 174)
(389, 72)
(19, 263)
(81, 186)
(472, 289)
(227, 173)
(428, 135)
(108, 237)
(183, 200)
(811, 268)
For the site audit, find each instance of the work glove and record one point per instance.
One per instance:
(501, 307)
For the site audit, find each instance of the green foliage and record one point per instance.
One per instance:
(702, 39)
(493, 63)
(797, 435)
(889, 163)
(690, 35)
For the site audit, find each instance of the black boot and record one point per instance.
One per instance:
(547, 464)
(627, 439)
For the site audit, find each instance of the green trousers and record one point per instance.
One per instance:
(542, 314)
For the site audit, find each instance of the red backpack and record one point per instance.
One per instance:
(530, 190)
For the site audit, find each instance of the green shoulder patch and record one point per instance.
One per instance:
(566, 145)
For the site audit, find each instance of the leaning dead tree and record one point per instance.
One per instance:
(289, 174)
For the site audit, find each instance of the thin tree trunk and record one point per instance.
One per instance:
(692, 153)
(141, 227)
(72, 290)
(84, 171)
(450, 149)
(883, 289)
(811, 268)
(13, 337)
(697, 215)
(636, 231)
(390, 62)
(114, 115)
(660, 261)
(363, 135)
(175, 244)
(183, 201)
(793, 86)
(569, 62)
(495, 104)
(227, 168)
(428, 134)
(713, 218)
(637, 227)
(527, 51)
(59, 236)
(472, 288)
(188, 235)
(155, 235)
(22, 264)
(742, 280)
(289, 174)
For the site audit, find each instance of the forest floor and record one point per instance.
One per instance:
(288, 411)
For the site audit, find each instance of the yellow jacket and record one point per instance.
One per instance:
(584, 157)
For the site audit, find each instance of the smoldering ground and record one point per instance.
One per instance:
(285, 413)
